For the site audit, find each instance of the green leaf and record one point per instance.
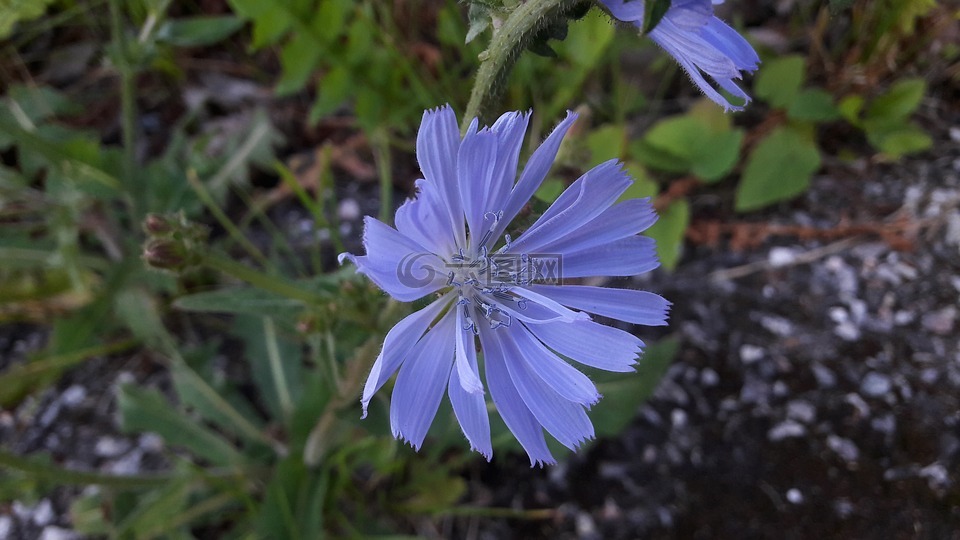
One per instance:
(668, 231)
(623, 393)
(276, 363)
(899, 102)
(779, 81)
(271, 20)
(642, 186)
(238, 300)
(199, 31)
(479, 17)
(779, 168)
(653, 12)
(850, 108)
(147, 410)
(333, 89)
(294, 502)
(813, 105)
(14, 11)
(693, 144)
(299, 58)
(900, 140)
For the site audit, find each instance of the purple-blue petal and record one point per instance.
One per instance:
(397, 345)
(637, 307)
(621, 220)
(421, 382)
(592, 344)
(583, 201)
(476, 170)
(565, 420)
(515, 413)
(438, 142)
(470, 408)
(563, 378)
(624, 257)
(534, 172)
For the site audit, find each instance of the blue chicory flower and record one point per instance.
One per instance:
(506, 295)
(700, 42)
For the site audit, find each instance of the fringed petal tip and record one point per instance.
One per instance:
(346, 256)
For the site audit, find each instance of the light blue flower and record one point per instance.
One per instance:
(506, 293)
(700, 42)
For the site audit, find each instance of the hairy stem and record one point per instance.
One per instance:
(505, 47)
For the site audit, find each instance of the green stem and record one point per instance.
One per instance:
(128, 107)
(259, 279)
(505, 47)
(207, 199)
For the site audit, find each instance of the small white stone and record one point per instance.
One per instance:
(348, 210)
(794, 496)
(43, 513)
(845, 448)
(802, 411)
(875, 384)
(74, 395)
(110, 447)
(57, 533)
(781, 256)
(750, 353)
(709, 377)
(786, 430)
(6, 526)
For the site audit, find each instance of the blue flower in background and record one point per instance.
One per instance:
(700, 42)
(507, 294)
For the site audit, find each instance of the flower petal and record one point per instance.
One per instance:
(534, 172)
(565, 420)
(438, 142)
(637, 307)
(563, 378)
(584, 200)
(515, 413)
(466, 351)
(510, 128)
(476, 169)
(470, 408)
(591, 343)
(421, 382)
(425, 219)
(621, 220)
(397, 345)
(624, 257)
(396, 263)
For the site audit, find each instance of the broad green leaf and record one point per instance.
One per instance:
(271, 21)
(334, 88)
(813, 105)
(623, 393)
(147, 410)
(668, 231)
(778, 82)
(899, 140)
(693, 144)
(293, 506)
(238, 300)
(299, 58)
(899, 102)
(779, 168)
(199, 31)
(850, 108)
